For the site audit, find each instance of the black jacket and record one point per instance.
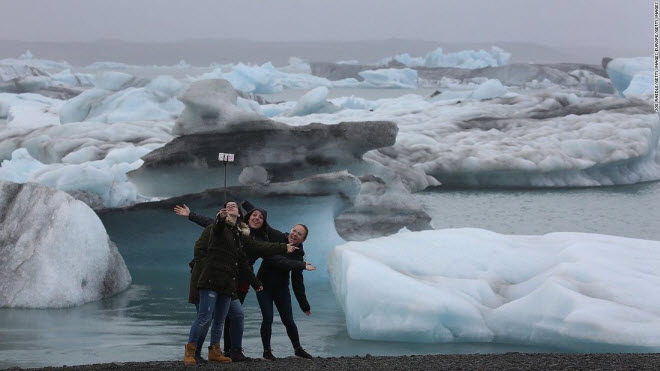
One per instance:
(274, 272)
(225, 257)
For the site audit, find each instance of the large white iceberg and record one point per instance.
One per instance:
(54, 250)
(472, 285)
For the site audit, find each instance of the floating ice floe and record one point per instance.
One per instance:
(405, 78)
(577, 291)
(470, 59)
(55, 251)
(266, 79)
(623, 71)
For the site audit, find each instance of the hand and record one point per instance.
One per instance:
(222, 213)
(260, 288)
(182, 210)
(291, 248)
(307, 312)
(309, 267)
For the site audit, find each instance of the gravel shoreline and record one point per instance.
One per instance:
(504, 361)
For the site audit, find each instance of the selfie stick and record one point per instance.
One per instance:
(225, 158)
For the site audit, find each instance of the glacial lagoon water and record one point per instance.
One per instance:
(150, 320)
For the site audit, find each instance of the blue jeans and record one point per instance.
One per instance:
(212, 307)
(230, 330)
(236, 319)
(282, 299)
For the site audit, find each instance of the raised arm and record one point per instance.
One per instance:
(184, 210)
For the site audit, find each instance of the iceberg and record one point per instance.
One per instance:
(545, 139)
(87, 159)
(622, 71)
(405, 78)
(101, 183)
(469, 59)
(489, 89)
(567, 290)
(118, 97)
(314, 101)
(54, 251)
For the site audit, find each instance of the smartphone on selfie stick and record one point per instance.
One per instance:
(225, 158)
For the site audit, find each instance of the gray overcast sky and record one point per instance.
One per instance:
(567, 23)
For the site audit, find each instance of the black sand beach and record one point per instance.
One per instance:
(506, 361)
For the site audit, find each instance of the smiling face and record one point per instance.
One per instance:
(256, 220)
(297, 235)
(232, 208)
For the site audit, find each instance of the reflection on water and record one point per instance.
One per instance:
(151, 320)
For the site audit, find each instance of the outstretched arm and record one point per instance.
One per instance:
(298, 286)
(283, 263)
(184, 210)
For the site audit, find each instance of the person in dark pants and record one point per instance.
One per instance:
(274, 275)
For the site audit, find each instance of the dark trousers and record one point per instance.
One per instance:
(226, 334)
(282, 299)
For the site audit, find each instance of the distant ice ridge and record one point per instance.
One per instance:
(266, 79)
(119, 65)
(576, 291)
(470, 59)
(28, 59)
(631, 76)
(54, 250)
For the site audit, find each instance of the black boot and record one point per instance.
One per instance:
(238, 356)
(300, 352)
(198, 356)
(269, 355)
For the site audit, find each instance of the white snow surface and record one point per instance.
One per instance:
(54, 251)
(473, 285)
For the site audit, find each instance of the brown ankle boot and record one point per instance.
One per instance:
(215, 354)
(189, 355)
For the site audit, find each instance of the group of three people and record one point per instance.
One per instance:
(221, 273)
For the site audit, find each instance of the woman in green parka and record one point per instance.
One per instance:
(219, 257)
